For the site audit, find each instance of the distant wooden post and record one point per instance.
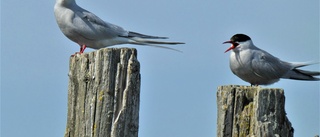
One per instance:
(104, 94)
(245, 111)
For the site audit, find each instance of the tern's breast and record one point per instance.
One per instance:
(240, 65)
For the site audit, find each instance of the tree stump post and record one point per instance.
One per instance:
(245, 111)
(104, 94)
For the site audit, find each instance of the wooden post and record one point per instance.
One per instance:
(104, 94)
(245, 111)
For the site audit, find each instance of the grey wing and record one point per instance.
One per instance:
(267, 66)
(92, 27)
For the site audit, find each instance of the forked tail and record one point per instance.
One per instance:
(141, 39)
(299, 74)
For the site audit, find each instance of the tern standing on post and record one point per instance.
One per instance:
(88, 30)
(258, 67)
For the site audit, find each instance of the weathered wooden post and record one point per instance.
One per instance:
(104, 94)
(245, 111)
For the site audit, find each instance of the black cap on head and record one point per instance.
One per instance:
(240, 38)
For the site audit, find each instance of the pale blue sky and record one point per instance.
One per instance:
(178, 90)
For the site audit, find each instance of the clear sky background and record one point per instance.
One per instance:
(178, 90)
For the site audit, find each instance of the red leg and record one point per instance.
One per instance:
(82, 48)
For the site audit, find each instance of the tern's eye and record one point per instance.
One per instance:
(235, 44)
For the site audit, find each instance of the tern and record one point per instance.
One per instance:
(88, 30)
(259, 67)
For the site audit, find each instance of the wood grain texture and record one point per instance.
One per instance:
(104, 94)
(245, 111)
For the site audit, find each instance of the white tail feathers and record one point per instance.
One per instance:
(302, 64)
(300, 74)
(154, 43)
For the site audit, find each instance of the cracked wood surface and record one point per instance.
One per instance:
(245, 111)
(104, 94)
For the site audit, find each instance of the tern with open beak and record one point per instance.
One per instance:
(259, 67)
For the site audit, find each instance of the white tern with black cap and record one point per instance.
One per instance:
(259, 67)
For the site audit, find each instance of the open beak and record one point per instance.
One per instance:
(232, 46)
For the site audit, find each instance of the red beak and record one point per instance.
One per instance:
(232, 46)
